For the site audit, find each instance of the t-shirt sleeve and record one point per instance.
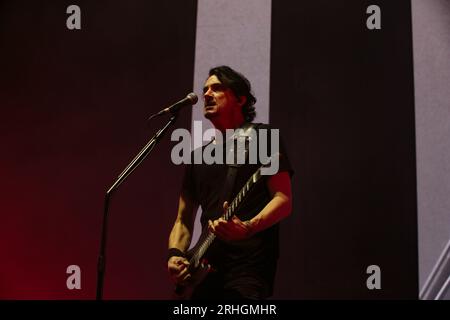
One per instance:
(284, 165)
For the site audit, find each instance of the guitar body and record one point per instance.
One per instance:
(184, 292)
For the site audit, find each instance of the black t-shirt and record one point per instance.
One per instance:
(204, 184)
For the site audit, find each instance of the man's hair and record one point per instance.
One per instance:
(240, 87)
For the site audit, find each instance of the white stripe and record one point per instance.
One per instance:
(234, 33)
(431, 32)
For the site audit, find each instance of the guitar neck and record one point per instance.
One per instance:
(234, 205)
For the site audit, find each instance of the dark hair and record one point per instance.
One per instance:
(240, 87)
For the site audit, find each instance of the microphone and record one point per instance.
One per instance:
(190, 99)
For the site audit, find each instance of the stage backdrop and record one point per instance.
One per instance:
(343, 95)
(74, 107)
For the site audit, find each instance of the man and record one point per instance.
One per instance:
(244, 255)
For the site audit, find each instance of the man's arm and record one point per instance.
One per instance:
(180, 238)
(278, 208)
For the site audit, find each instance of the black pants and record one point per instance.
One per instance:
(217, 286)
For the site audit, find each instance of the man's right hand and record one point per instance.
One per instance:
(178, 269)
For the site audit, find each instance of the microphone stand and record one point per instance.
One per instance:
(121, 178)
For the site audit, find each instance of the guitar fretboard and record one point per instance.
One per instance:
(241, 195)
(237, 201)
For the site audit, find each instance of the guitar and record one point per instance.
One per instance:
(198, 268)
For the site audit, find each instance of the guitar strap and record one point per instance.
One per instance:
(232, 171)
(228, 186)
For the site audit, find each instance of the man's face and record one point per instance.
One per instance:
(219, 100)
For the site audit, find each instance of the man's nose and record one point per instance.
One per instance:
(208, 93)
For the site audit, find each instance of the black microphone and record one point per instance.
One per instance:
(190, 99)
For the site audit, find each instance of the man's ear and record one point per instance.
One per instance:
(242, 100)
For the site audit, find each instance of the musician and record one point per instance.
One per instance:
(242, 259)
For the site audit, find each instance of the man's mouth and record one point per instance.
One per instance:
(209, 104)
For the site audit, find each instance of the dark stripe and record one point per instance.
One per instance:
(343, 98)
